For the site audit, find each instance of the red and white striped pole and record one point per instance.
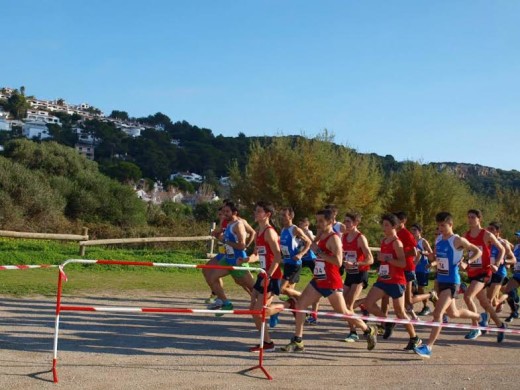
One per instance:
(60, 307)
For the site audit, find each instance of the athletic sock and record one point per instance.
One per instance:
(297, 339)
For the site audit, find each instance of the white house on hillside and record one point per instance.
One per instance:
(191, 177)
(37, 130)
(5, 125)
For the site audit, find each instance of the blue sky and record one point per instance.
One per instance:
(420, 80)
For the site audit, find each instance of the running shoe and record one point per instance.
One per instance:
(473, 334)
(511, 317)
(225, 306)
(425, 311)
(389, 329)
(371, 337)
(501, 335)
(380, 329)
(413, 343)
(274, 320)
(216, 305)
(483, 322)
(423, 351)
(463, 287)
(293, 346)
(268, 347)
(310, 320)
(211, 299)
(352, 337)
(433, 297)
(445, 319)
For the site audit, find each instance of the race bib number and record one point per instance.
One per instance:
(262, 252)
(443, 266)
(384, 271)
(477, 263)
(230, 252)
(285, 252)
(350, 256)
(319, 269)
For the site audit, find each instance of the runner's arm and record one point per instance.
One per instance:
(363, 244)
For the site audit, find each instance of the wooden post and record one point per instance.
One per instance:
(212, 242)
(84, 232)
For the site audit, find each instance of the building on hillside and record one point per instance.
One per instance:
(188, 176)
(35, 130)
(42, 116)
(5, 125)
(86, 150)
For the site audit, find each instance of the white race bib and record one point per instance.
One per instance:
(384, 271)
(443, 266)
(493, 260)
(319, 269)
(350, 256)
(477, 263)
(230, 253)
(262, 252)
(285, 252)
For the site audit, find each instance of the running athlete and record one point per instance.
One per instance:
(497, 279)
(308, 261)
(326, 283)
(294, 244)
(235, 244)
(479, 273)
(218, 233)
(422, 270)
(410, 253)
(513, 283)
(391, 281)
(267, 252)
(449, 250)
(357, 260)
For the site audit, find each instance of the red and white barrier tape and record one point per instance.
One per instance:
(156, 310)
(403, 321)
(12, 267)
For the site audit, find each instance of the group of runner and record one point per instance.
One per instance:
(405, 261)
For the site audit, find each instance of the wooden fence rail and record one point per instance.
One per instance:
(46, 236)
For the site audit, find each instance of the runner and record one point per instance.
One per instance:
(422, 270)
(235, 244)
(391, 281)
(218, 233)
(294, 244)
(267, 252)
(513, 283)
(410, 253)
(449, 249)
(497, 279)
(308, 261)
(479, 273)
(326, 283)
(357, 261)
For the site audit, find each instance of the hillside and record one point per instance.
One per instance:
(155, 147)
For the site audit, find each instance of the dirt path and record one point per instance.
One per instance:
(132, 351)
